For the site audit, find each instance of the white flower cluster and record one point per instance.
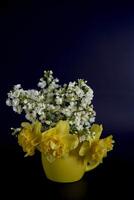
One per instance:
(53, 102)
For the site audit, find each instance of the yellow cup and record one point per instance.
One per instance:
(67, 169)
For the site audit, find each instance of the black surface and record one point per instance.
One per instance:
(94, 41)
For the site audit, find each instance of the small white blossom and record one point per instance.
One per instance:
(25, 101)
(92, 119)
(48, 122)
(18, 86)
(51, 72)
(71, 84)
(42, 84)
(82, 138)
(15, 102)
(66, 112)
(58, 100)
(8, 102)
(79, 92)
(56, 80)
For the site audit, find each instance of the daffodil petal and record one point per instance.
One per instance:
(50, 132)
(97, 129)
(62, 127)
(26, 125)
(37, 128)
(107, 142)
(84, 148)
(71, 141)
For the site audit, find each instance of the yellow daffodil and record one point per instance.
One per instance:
(96, 131)
(57, 142)
(96, 149)
(100, 148)
(29, 137)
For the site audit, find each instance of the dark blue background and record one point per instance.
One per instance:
(94, 41)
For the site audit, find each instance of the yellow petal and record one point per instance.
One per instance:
(62, 127)
(97, 129)
(37, 128)
(49, 133)
(26, 125)
(71, 141)
(107, 143)
(53, 145)
(84, 149)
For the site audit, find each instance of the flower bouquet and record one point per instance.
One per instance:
(60, 124)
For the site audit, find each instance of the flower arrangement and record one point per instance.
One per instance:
(60, 120)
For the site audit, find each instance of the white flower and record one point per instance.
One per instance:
(29, 106)
(18, 86)
(51, 72)
(19, 109)
(79, 92)
(48, 122)
(71, 84)
(14, 109)
(87, 124)
(17, 93)
(80, 127)
(56, 80)
(51, 107)
(92, 119)
(15, 102)
(66, 112)
(72, 104)
(25, 101)
(42, 84)
(8, 102)
(82, 138)
(58, 100)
